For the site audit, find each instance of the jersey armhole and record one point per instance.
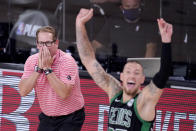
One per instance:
(145, 124)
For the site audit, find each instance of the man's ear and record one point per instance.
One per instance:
(38, 47)
(143, 79)
(57, 42)
(121, 76)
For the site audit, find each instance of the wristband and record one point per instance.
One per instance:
(37, 69)
(162, 76)
(47, 71)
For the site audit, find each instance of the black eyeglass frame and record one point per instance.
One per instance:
(47, 43)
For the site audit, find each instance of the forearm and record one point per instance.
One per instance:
(84, 46)
(161, 77)
(87, 55)
(63, 90)
(27, 84)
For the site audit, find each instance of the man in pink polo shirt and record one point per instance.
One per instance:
(54, 75)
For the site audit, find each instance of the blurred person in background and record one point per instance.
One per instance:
(126, 27)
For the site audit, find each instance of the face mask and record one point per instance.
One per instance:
(131, 14)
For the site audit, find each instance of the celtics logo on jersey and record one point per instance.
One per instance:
(120, 116)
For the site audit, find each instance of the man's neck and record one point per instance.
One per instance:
(126, 97)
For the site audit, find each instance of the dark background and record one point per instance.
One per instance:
(62, 13)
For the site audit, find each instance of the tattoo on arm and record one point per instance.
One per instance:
(153, 91)
(104, 80)
(116, 86)
(85, 50)
(152, 88)
(84, 45)
(99, 75)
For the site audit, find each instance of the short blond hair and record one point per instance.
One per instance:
(135, 61)
(49, 29)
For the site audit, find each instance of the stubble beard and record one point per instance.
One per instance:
(131, 92)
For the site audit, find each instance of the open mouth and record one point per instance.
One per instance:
(130, 84)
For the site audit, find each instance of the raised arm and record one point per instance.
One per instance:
(151, 93)
(105, 81)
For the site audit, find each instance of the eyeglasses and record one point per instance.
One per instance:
(47, 43)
